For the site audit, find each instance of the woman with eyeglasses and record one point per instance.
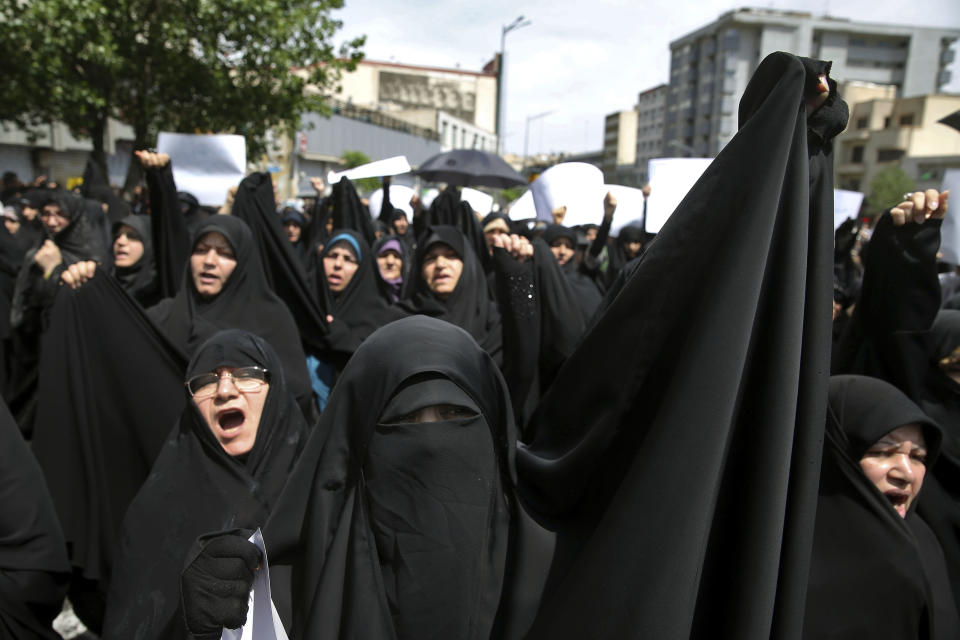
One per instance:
(221, 468)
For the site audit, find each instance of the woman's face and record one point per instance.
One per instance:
(562, 250)
(441, 270)
(211, 263)
(390, 264)
(53, 217)
(293, 232)
(339, 265)
(232, 415)
(895, 464)
(632, 248)
(127, 247)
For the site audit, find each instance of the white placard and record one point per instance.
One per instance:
(575, 185)
(846, 205)
(379, 168)
(480, 202)
(399, 197)
(522, 208)
(427, 196)
(670, 180)
(205, 165)
(263, 622)
(629, 206)
(950, 231)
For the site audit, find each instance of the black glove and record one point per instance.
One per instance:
(215, 585)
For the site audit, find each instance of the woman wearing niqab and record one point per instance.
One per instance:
(874, 573)
(195, 486)
(245, 302)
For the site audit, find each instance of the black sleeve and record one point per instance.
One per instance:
(171, 240)
(520, 316)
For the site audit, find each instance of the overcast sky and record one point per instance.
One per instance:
(580, 59)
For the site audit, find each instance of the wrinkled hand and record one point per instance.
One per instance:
(48, 257)
(813, 102)
(610, 204)
(318, 185)
(151, 159)
(215, 587)
(920, 206)
(559, 214)
(78, 273)
(517, 246)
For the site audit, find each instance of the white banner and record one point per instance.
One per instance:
(399, 197)
(205, 165)
(670, 180)
(379, 168)
(950, 231)
(480, 202)
(575, 185)
(846, 205)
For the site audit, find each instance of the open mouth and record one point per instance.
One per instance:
(899, 501)
(230, 421)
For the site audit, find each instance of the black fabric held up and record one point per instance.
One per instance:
(284, 269)
(195, 487)
(349, 213)
(168, 227)
(245, 302)
(110, 390)
(748, 259)
(33, 561)
(867, 577)
(373, 546)
(140, 279)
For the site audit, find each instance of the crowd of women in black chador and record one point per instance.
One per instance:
(455, 428)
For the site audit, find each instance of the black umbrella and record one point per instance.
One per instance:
(470, 168)
(952, 120)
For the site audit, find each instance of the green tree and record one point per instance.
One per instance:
(887, 189)
(353, 159)
(240, 66)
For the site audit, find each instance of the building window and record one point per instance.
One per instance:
(886, 122)
(856, 154)
(889, 155)
(906, 120)
(863, 123)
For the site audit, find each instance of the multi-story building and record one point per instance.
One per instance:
(620, 148)
(905, 132)
(710, 67)
(650, 114)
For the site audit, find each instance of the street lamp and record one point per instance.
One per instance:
(526, 133)
(518, 23)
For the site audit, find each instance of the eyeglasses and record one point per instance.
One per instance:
(244, 378)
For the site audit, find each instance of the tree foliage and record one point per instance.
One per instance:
(240, 66)
(887, 189)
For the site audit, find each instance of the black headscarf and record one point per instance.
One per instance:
(140, 279)
(358, 310)
(195, 487)
(469, 305)
(33, 560)
(349, 213)
(868, 575)
(245, 302)
(401, 530)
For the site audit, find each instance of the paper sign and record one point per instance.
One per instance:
(846, 205)
(389, 167)
(263, 622)
(480, 202)
(629, 206)
(399, 198)
(575, 185)
(205, 165)
(950, 231)
(523, 208)
(670, 180)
